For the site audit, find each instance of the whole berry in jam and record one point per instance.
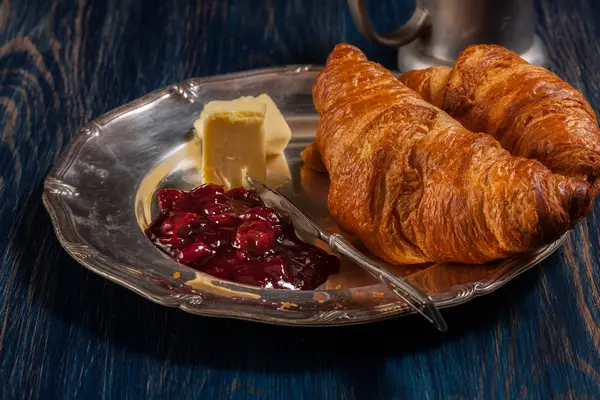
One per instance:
(168, 199)
(179, 223)
(255, 236)
(195, 252)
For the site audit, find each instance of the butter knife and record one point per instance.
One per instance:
(414, 297)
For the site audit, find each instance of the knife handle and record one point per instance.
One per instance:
(413, 296)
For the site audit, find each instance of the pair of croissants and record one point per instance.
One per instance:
(467, 164)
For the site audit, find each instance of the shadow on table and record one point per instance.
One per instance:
(135, 325)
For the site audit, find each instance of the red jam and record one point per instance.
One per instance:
(233, 236)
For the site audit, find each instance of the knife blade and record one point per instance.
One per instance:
(274, 199)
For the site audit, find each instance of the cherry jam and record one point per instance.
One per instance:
(233, 236)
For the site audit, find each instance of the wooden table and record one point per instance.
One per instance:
(68, 333)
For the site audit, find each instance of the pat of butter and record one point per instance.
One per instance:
(277, 131)
(233, 142)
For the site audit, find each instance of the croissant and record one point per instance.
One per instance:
(415, 186)
(312, 158)
(528, 109)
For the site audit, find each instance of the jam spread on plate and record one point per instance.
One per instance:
(233, 236)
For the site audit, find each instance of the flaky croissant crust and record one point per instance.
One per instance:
(415, 186)
(530, 110)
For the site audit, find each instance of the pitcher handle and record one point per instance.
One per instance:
(404, 35)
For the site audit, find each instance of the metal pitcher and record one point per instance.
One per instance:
(440, 29)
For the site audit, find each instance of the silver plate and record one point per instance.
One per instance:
(102, 193)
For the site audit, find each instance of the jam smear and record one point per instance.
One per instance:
(233, 236)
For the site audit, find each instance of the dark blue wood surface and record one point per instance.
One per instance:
(68, 333)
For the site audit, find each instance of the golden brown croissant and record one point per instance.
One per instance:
(312, 158)
(531, 111)
(415, 186)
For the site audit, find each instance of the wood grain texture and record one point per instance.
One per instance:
(67, 333)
